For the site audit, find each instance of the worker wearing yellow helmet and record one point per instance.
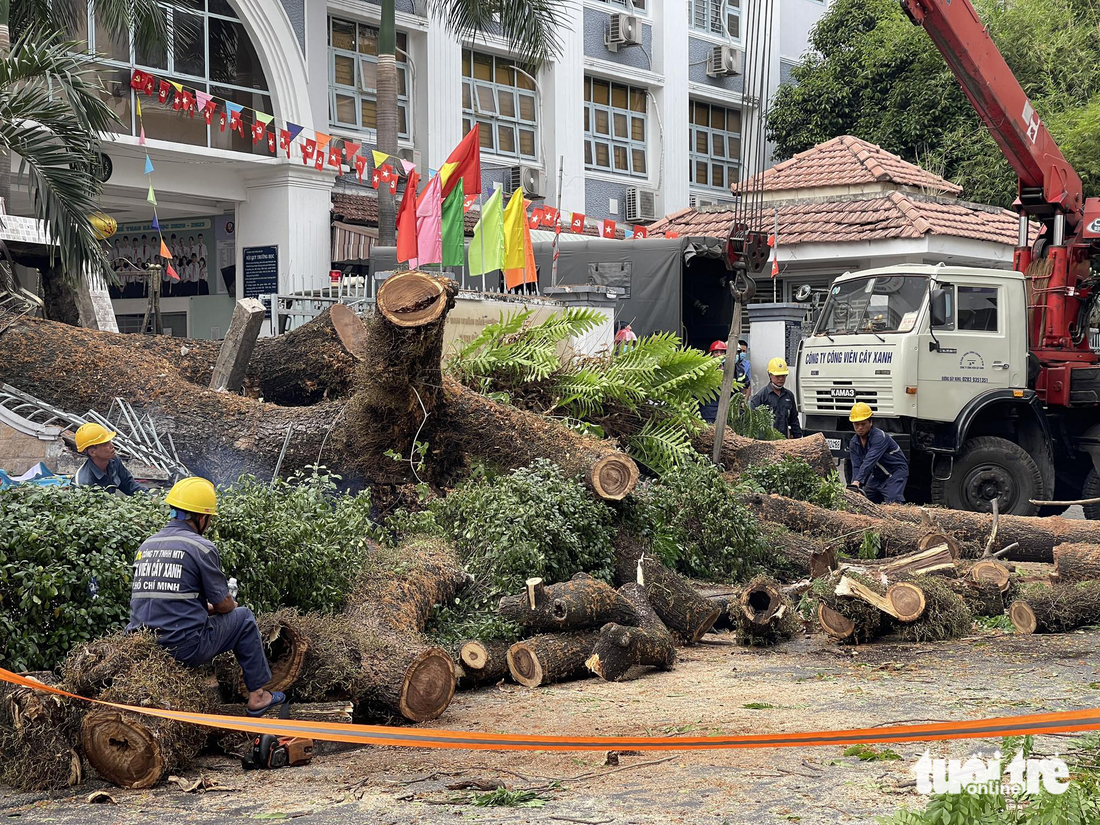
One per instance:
(779, 399)
(181, 594)
(879, 467)
(103, 468)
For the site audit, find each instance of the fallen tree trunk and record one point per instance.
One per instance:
(740, 453)
(1077, 562)
(551, 657)
(935, 559)
(903, 601)
(848, 620)
(945, 615)
(762, 615)
(483, 662)
(580, 603)
(989, 571)
(1056, 608)
(37, 734)
(619, 648)
(285, 647)
(678, 604)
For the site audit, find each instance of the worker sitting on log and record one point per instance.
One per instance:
(879, 467)
(103, 468)
(779, 399)
(181, 594)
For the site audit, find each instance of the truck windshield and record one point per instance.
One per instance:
(882, 304)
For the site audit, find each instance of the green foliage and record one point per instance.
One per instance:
(703, 531)
(1001, 622)
(793, 477)
(757, 706)
(66, 556)
(870, 73)
(869, 754)
(502, 797)
(530, 522)
(871, 546)
(65, 568)
(750, 423)
(648, 395)
(295, 543)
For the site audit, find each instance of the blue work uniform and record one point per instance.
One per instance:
(115, 478)
(783, 407)
(176, 573)
(880, 467)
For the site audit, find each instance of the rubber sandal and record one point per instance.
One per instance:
(277, 698)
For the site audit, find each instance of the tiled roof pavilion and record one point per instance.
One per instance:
(862, 203)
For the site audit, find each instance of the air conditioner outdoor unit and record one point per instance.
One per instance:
(528, 178)
(625, 30)
(641, 204)
(724, 61)
(700, 202)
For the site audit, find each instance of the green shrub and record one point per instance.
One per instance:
(530, 522)
(295, 543)
(793, 477)
(65, 568)
(66, 556)
(750, 423)
(699, 527)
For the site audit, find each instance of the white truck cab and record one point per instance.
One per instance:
(940, 355)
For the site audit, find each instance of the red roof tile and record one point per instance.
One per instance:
(894, 215)
(848, 161)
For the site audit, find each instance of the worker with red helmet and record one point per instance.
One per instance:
(709, 411)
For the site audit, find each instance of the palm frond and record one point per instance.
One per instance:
(52, 118)
(530, 26)
(147, 18)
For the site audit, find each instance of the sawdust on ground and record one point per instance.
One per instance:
(807, 684)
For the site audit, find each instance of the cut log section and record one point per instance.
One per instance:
(133, 750)
(38, 732)
(1077, 562)
(847, 619)
(412, 299)
(763, 615)
(580, 603)
(943, 614)
(930, 540)
(740, 453)
(903, 601)
(285, 648)
(483, 662)
(934, 559)
(619, 648)
(613, 477)
(549, 658)
(1058, 608)
(678, 604)
(835, 625)
(990, 571)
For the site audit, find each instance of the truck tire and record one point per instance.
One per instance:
(1091, 489)
(991, 467)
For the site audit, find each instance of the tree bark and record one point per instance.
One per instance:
(1076, 562)
(286, 647)
(673, 598)
(38, 732)
(903, 601)
(740, 453)
(549, 658)
(387, 115)
(845, 619)
(619, 648)
(580, 603)
(935, 559)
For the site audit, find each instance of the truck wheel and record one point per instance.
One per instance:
(1091, 489)
(991, 468)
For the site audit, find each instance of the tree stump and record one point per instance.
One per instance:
(580, 603)
(549, 658)
(619, 648)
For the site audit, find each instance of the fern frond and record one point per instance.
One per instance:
(660, 446)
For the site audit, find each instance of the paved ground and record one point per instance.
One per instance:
(809, 684)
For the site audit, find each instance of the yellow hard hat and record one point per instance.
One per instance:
(860, 412)
(90, 434)
(194, 494)
(777, 366)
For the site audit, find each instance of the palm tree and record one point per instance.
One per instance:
(529, 26)
(53, 119)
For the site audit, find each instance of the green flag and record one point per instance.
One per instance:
(454, 227)
(487, 246)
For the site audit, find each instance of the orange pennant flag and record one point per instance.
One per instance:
(165, 252)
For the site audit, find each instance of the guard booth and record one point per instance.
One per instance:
(678, 285)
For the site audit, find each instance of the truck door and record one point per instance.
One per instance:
(975, 351)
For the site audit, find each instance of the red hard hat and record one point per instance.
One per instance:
(717, 346)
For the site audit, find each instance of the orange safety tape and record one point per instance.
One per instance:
(1062, 722)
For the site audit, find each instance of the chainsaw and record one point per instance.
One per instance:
(271, 751)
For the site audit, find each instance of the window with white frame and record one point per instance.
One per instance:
(502, 99)
(353, 76)
(715, 135)
(615, 127)
(629, 5)
(720, 17)
(209, 51)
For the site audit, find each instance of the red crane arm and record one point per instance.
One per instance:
(1048, 184)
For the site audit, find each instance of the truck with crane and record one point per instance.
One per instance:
(987, 378)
